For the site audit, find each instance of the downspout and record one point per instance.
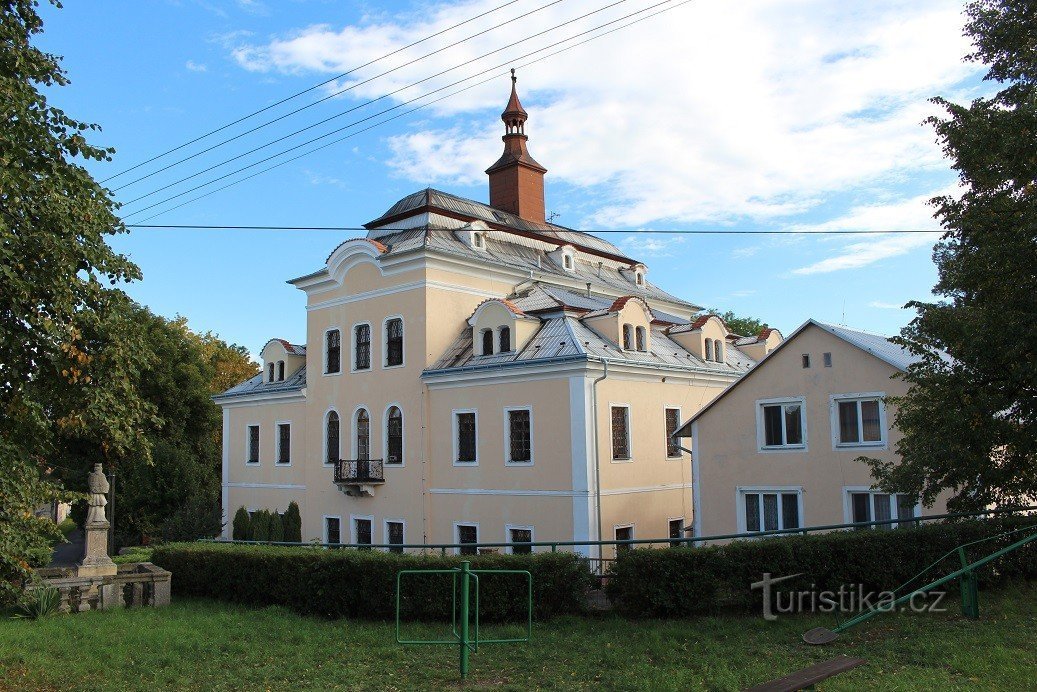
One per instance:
(597, 459)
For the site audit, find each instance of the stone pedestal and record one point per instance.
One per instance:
(95, 562)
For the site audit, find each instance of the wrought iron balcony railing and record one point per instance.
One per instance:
(359, 471)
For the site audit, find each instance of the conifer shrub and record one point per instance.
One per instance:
(260, 526)
(276, 528)
(242, 525)
(292, 524)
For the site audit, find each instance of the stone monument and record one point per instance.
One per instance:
(95, 562)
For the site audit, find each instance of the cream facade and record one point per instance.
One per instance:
(473, 373)
(779, 449)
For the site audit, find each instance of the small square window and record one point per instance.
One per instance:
(466, 533)
(806, 360)
(676, 531)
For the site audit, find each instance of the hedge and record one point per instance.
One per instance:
(361, 583)
(706, 580)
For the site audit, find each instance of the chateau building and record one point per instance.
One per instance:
(475, 373)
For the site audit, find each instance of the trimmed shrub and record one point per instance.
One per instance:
(362, 583)
(260, 529)
(242, 525)
(292, 524)
(276, 528)
(687, 581)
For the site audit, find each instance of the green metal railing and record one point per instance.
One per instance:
(553, 546)
(462, 638)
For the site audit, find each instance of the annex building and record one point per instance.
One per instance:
(474, 373)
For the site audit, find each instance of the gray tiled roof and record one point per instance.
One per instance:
(257, 385)
(875, 344)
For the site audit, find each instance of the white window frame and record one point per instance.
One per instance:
(482, 337)
(742, 490)
(761, 434)
(630, 434)
(894, 510)
(385, 528)
(324, 346)
(277, 443)
(352, 526)
(684, 529)
(353, 429)
(633, 536)
(385, 342)
(520, 527)
(352, 348)
(457, 534)
(324, 528)
(259, 456)
(680, 421)
(385, 437)
(511, 338)
(324, 436)
(507, 436)
(833, 404)
(454, 441)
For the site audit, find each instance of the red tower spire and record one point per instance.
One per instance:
(517, 180)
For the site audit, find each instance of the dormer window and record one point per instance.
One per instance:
(280, 370)
(709, 349)
(479, 241)
(487, 342)
(270, 372)
(718, 351)
(505, 339)
(628, 337)
(642, 339)
(567, 262)
(639, 278)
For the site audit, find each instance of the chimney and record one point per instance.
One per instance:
(516, 180)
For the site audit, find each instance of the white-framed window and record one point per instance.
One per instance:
(393, 436)
(639, 278)
(280, 371)
(252, 443)
(620, 420)
(862, 504)
(518, 435)
(465, 533)
(567, 260)
(672, 421)
(332, 529)
(479, 241)
(332, 437)
(486, 336)
(709, 349)
(395, 533)
(858, 420)
(284, 443)
(361, 335)
(392, 347)
(628, 337)
(781, 424)
(718, 351)
(623, 532)
(518, 534)
(361, 434)
(333, 351)
(675, 527)
(504, 340)
(641, 338)
(270, 371)
(466, 437)
(362, 529)
(769, 508)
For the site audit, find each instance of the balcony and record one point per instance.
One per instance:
(359, 477)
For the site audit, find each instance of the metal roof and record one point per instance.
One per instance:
(257, 385)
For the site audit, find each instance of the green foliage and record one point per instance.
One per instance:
(969, 423)
(276, 528)
(677, 582)
(361, 584)
(292, 524)
(200, 517)
(242, 525)
(42, 601)
(134, 554)
(743, 326)
(260, 527)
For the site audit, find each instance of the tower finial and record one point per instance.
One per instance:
(513, 77)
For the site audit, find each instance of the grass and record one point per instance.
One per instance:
(216, 646)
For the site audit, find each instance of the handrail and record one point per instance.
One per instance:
(691, 541)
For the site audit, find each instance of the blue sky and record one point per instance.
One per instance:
(772, 114)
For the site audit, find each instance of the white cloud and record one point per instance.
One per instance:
(645, 244)
(713, 112)
(195, 66)
(743, 293)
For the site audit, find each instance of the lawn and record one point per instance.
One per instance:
(209, 645)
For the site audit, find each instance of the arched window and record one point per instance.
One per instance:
(280, 370)
(640, 278)
(641, 339)
(394, 342)
(270, 368)
(331, 453)
(628, 338)
(718, 351)
(505, 339)
(567, 262)
(487, 342)
(333, 351)
(394, 436)
(363, 435)
(362, 347)
(709, 349)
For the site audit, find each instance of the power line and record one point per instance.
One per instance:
(404, 103)
(358, 106)
(638, 231)
(308, 90)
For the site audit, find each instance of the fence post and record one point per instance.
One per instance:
(465, 573)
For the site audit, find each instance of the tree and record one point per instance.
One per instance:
(292, 523)
(199, 517)
(969, 421)
(66, 347)
(744, 326)
(276, 528)
(242, 525)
